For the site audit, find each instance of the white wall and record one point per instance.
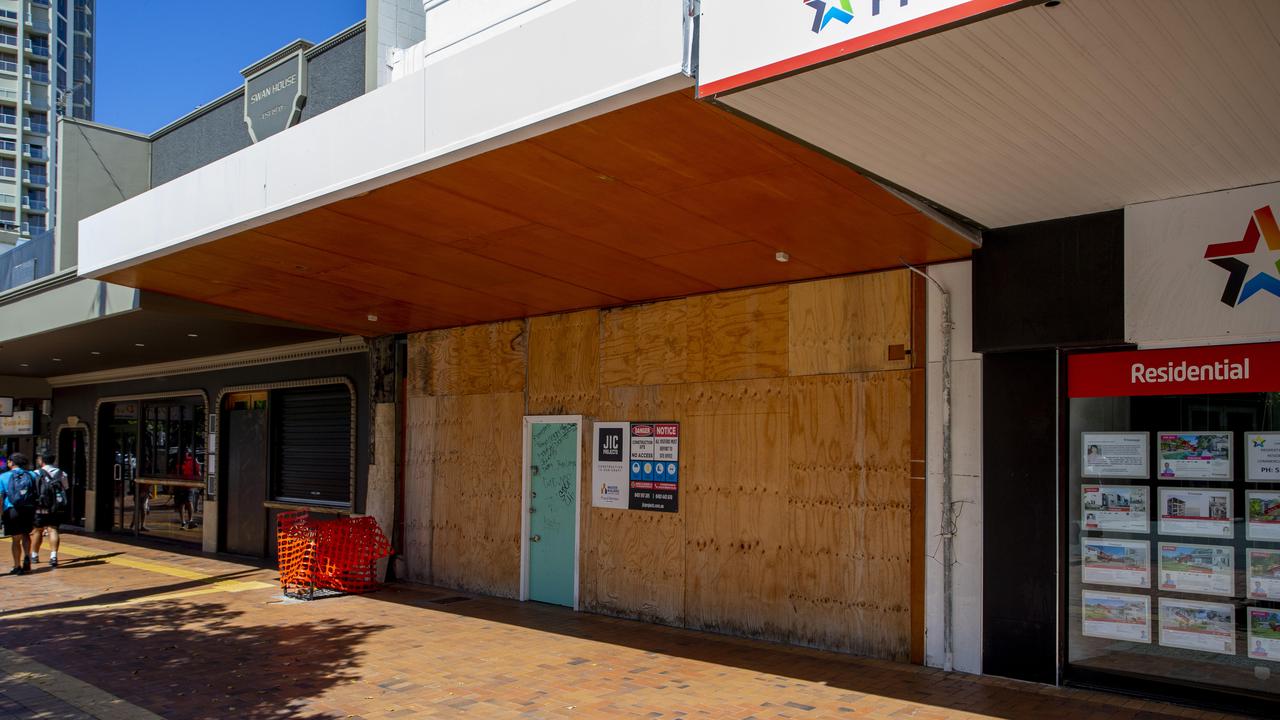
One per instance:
(398, 24)
(966, 443)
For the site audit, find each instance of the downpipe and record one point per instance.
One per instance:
(947, 528)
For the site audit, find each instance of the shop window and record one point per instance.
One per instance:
(312, 445)
(1173, 517)
(172, 443)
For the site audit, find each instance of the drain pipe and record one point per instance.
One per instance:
(947, 530)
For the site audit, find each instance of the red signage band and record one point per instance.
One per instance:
(885, 36)
(1209, 370)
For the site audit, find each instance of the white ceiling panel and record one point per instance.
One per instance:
(1052, 112)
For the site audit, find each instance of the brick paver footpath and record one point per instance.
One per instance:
(126, 631)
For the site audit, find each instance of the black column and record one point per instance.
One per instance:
(1019, 500)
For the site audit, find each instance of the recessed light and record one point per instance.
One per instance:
(24, 364)
(193, 335)
(56, 359)
(94, 352)
(781, 256)
(139, 344)
(373, 318)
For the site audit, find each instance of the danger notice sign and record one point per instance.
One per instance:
(654, 471)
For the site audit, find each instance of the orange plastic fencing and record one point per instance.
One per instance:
(338, 555)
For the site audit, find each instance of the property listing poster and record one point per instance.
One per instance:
(1204, 569)
(1196, 511)
(1118, 508)
(1262, 576)
(1262, 457)
(1116, 616)
(1264, 634)
(1263, 508)
(1194, 625)
(1113, 454)
(1194, 456)
(1126, 563)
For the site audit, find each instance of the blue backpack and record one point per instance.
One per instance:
(22, 489)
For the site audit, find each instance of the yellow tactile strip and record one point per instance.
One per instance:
(215, 584)
(80, 695)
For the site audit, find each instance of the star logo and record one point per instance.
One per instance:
(1254, 266)
(824, 12)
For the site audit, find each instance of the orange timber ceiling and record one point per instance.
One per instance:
(665, 198)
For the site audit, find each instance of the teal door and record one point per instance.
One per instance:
(553, 503)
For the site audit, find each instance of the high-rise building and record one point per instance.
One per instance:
(46, 68)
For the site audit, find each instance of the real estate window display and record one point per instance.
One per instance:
(1183, 590)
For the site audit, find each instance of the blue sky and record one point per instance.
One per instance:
(158, 59)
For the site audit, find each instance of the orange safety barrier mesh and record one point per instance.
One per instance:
(339, 555)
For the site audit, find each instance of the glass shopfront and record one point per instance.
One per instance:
(154, 455)
(1172, 518)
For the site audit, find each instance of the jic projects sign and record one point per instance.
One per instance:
(274, 97)
(636, 466)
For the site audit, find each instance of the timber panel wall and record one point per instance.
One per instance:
(795, 508)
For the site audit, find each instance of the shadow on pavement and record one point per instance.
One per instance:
(195, 659)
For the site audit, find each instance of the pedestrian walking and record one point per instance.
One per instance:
(18, 486)
(52, 507)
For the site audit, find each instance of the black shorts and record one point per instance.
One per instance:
(19, 521)
(50, 519)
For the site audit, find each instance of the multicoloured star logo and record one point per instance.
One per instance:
(825, 12)
(1254, 265)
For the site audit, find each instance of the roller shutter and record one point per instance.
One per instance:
(313, 443)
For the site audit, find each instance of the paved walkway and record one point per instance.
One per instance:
(125, 631)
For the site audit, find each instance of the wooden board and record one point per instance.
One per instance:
(564, 364)
(468, 361)
(848, 324)
(476, 459)
(419, 472)
(737, 335)
(795, 520)
(644, 344)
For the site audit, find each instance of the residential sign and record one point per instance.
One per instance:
(1202, 370)
(746, 41)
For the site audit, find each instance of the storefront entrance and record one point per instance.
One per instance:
(152, 456)
(73, 460)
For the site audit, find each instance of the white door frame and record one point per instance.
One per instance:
(525, 459)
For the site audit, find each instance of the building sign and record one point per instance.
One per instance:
(1204, 267)
(20, 422)
(610, 457)
(6, 406)
(274, 95)
(746, 41)
(654, 471)
(1213, 369)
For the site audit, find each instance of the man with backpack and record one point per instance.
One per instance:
(18, 486)
(52, 507)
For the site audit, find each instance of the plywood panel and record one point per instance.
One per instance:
(848, 324)
(849, 457)
(636, 559)
(564, 363)
(476, 460)
(737, 335)
(469, 360)
(736, 523)
(419, 471)
(644, 344)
